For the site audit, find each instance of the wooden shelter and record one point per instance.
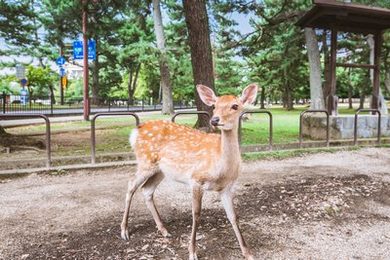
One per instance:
(347, 17)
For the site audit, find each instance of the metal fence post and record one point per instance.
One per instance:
(270, 136)
(190, 113)
(93, 128)
(48, 139)
(376, 111)
(301, 125)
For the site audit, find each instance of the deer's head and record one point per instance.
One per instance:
(227, 108)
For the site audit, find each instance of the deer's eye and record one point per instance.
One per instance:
(235, 106)
(212, 106)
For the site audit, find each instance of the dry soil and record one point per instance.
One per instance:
(322, 206)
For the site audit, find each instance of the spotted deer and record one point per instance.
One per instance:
(204, 161)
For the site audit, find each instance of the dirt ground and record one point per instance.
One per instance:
(322, 206)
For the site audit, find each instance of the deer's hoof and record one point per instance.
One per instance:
(164, 232)
(125, 234)
(193, 256)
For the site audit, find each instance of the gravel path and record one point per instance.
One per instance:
(322, 206)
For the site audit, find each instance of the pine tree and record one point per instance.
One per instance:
(201, 57)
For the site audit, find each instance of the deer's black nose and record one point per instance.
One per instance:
(214, 121)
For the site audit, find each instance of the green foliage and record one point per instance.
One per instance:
(40, 80)
(16, 22)
(74, 89)
(9, 84)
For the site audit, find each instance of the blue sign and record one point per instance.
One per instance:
(62, 72)
(23, 82)
(23, 96)
(78, 50)
(60, 61)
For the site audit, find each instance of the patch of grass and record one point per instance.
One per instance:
(383, 146)
(278, 155)
(58, 172)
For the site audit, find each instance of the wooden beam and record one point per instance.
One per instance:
(328, 24)
(312, 18)
(377, 58)
(333, 53)
(331, 100)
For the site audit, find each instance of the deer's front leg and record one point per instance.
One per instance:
(197, 194)
(227, 201)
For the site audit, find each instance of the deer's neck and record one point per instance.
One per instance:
(230, 150)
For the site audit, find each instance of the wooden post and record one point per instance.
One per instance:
(377, 57)
(332, 109)
(61, 86)
(85, 62)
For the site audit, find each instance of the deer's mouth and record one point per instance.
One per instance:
(216, 124)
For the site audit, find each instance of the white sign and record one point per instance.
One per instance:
(20, 71)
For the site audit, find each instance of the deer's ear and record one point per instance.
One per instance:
(206, 94)
(248, 95)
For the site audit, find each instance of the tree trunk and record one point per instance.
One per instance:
(371, 44)
(96, 100)
(262, 98)
(132, 83)
(290, 102)
(167, 100)
(288, 98)
(201, 58)
(316, 94)
(362, 98)
(136, 77)
(350, 97)
(130, 90)
(326, 84)
(52, 97)
(387, 70)
(350, 89)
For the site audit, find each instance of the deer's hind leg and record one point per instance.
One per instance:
(142, 175)
(148, 190)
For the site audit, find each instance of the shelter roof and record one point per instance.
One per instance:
(347, 17)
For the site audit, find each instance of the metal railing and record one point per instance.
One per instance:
(356, 121)
(301, 124)
(93, 128)
(190, 113)
(270, 137)
(47, 122)
(205, 113)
